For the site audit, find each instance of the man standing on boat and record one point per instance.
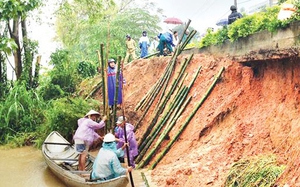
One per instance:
(85, 135)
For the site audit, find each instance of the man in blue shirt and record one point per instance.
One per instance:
(166, 40)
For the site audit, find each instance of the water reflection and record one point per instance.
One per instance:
(26, 167)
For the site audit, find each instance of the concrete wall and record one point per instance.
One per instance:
(253, 44)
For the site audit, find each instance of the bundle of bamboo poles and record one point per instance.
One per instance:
(178, 105)
(160, 92)
(171, 103)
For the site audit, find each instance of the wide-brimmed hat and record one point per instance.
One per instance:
(92, 112)
(120, 120)
(109, 138)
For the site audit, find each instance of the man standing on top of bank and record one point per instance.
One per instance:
(234, 15)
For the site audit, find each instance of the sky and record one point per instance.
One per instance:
(202, 13)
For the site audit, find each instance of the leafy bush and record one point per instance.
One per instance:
(20, 112)
(86, 69)
(51, 91)
(212, 38)
(62, 116)
(250, 24)
(254, 23)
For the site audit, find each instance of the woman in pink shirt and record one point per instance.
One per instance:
(85, 135)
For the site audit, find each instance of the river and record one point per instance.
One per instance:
(26, 167)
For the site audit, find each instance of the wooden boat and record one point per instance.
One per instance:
(62, 159)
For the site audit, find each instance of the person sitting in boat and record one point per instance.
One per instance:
(107, 165)
(85, 135)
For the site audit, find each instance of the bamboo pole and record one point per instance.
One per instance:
(163, 135)
(151, 137)
(149, 104)
(161, 106)
(189, 37)
(166, 149)
(142, 139)
(95, 89)
(155, 87)
(154, 92)
(143, 99)
(164, 116)
(125, 133)
(145, 179)
(100, 59)
(170, 125)
(185, 28)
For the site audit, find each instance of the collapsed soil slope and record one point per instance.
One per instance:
(252, 110)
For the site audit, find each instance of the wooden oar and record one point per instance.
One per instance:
(56, 143)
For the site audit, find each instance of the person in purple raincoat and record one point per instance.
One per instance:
(119, 133)
(111, 83)
(85, 135)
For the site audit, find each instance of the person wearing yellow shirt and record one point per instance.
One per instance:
(130, 46)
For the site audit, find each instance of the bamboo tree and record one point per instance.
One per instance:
(166, 149)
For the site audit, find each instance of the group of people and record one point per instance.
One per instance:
(165, 43)
(107, 164)
(144, 44)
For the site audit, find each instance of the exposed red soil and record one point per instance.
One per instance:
(253, 110)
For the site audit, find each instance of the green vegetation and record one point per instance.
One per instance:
(35, 103)
(249, 24)
(261, 171)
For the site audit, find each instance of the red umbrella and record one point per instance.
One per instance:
(173, 21)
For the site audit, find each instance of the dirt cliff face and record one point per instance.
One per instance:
(253, 110)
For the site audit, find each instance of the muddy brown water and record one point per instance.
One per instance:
(26, 167)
